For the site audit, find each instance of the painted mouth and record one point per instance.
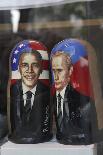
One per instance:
(57, 83)
(30, 77)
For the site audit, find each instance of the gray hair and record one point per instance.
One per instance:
(67, 57)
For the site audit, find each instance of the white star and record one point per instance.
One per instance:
(14, 60)
(16, 52)
(21, 45)
(66, 45)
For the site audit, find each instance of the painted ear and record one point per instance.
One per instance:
(41, 70)
(18, 68)
(71, 71)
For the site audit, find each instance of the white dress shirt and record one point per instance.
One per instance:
(62, 93)
(25, 90)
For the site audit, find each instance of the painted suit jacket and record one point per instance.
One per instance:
(78, 118)
(38, 128)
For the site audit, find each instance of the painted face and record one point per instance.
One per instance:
(30, 69)
(61, 72)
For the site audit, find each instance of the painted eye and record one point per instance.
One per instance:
(59, 70)
(24, 65)
(35, 65)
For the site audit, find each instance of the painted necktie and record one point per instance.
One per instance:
(28, 105)
(59, 115)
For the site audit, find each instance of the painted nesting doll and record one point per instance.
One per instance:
(73, 100)
(29, 93)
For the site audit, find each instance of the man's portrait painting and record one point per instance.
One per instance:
(29, 93)
(72, 92)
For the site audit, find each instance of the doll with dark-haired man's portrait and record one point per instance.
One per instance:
(30, 100)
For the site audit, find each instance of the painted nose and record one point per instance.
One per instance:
(56, 77)
(30, 69)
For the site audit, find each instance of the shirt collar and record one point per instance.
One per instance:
(25, 89)
(62, 93)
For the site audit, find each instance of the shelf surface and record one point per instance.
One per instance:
(48, 148)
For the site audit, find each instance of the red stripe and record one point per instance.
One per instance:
(45, 64)
(46, 82)
(37, 46)
(53, 91)
(13, 81)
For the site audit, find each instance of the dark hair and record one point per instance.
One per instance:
(34, 52)
(37, 54)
